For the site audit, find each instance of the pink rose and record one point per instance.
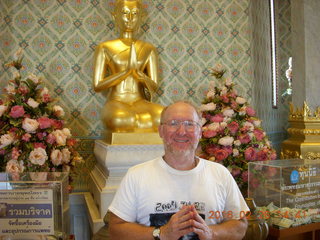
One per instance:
(247, 126)
(39, 145)
(259, 134)
(26, 137)
(41, 135)
(250, 154)
(44, 122)
(57, 124)
(45, 96)
(224, 98)
(51, 139)
(250, 111)
(209, 134)
(244, 176)
(220, 155)
(228, 149)
(16, 111)
(23, 90)
(232, 94)
(15, 153)
(212, 148)
(234, 105)
(13, 130)
(235, 171)
(244, 138)
(217, 118)
(263, 154)
(233, 127)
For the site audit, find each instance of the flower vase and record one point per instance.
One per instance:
(257, 227)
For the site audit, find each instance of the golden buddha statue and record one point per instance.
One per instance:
(129, 67)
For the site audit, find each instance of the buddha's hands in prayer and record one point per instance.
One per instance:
(133, 69)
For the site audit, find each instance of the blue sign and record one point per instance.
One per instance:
(294, 177)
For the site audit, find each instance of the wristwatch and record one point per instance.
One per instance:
(156, 233)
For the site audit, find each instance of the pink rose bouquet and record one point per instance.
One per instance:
(231, 133)
(32, 135)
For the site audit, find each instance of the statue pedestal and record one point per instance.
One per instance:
(113, 161)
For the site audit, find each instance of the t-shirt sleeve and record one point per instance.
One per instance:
(124, 202)
(234, 201)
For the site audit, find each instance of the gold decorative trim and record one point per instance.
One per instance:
(287, 154)
(303, 132)
(312, 155)
(304, 113)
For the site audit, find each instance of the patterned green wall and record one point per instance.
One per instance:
(59, 37)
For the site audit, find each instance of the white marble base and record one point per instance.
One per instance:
(113, 161)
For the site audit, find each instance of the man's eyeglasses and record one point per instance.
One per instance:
(188, 125)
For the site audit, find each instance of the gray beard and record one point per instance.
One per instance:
(179, 153)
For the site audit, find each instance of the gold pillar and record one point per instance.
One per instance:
(304, 134)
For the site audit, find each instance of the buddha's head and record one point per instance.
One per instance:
(127, 14)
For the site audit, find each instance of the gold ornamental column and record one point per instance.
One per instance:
(304, 134)
(304, 118)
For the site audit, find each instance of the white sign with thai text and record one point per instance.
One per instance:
(26, 212)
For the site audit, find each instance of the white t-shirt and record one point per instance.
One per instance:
(152, 192)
